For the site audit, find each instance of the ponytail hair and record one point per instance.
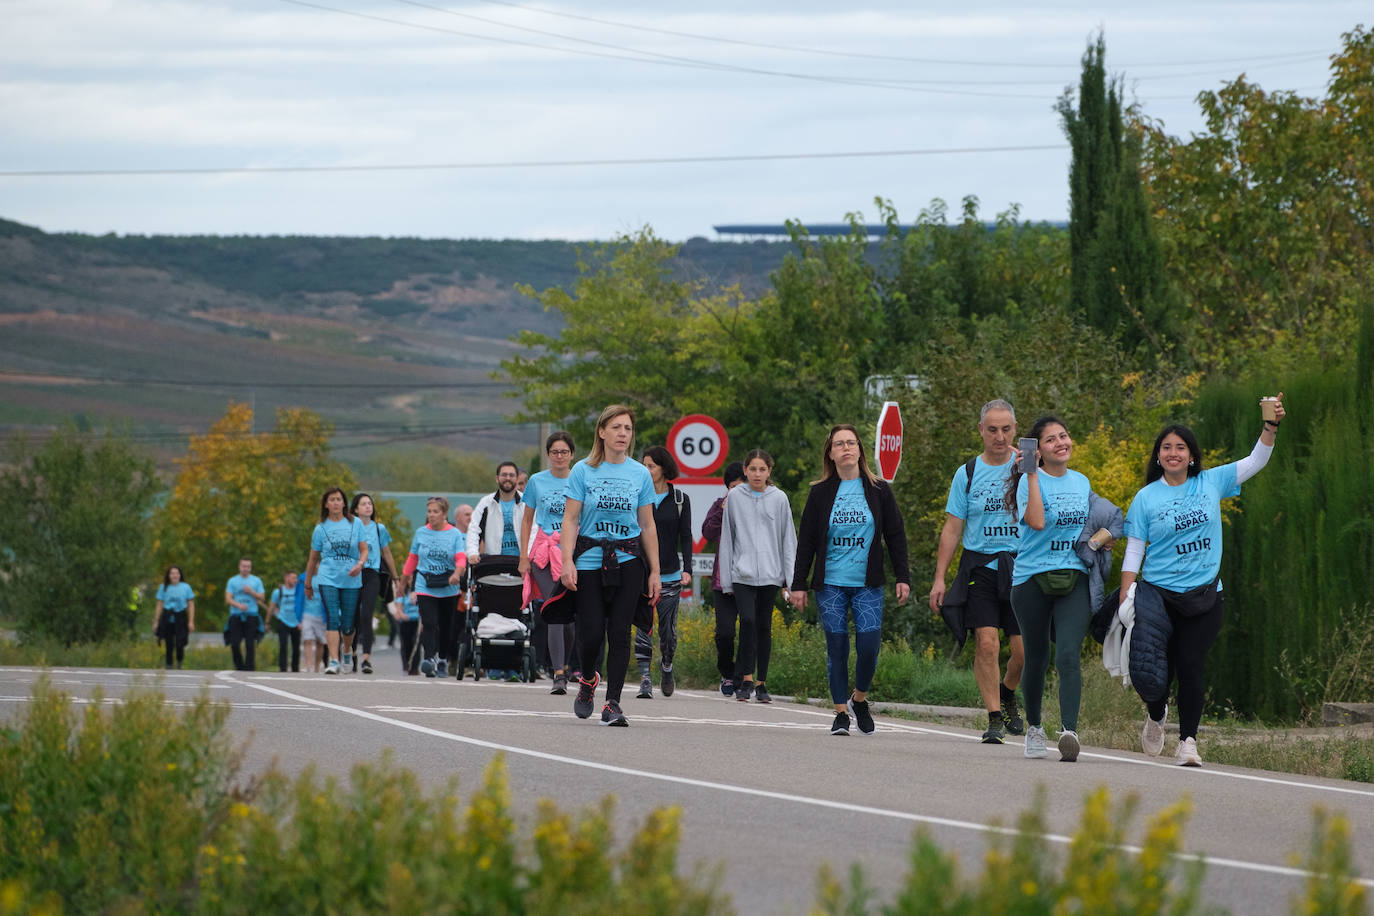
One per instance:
(1014, 478)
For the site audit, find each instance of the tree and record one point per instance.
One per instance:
(74, 545)
(1267, 218)
(241, 493)
(1118, 279)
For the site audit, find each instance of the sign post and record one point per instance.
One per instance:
(699, 445)
(887, 450)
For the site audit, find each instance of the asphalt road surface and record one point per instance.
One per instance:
(766, 792)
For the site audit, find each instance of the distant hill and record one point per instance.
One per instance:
(392, 339)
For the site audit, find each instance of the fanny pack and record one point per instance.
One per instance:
(1056, 583)
(438, 579)
(1194, 602)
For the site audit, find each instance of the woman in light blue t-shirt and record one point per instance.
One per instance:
(338, 553)
(1049, 583)
(176, 614)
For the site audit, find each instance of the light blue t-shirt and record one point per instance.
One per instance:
(849, 536)
(411, 607)
(337, 543)
(1066, 512)
(510, 539)
(988, 526)
(237, 587)
(377, 537)
(546, 494)
(312, 607)
(174, 598)
(658, 498)
(285, 600)
(435, 552)
(611, 496)
(1181, 528)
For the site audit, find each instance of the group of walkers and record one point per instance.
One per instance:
(604, 546)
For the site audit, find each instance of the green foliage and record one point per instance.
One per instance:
(75, 540)
(1267, 218)
(255, 494)
(44, 652)
(429, 469)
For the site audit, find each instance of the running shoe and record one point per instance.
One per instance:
(646, 689)
(862, 717)
(513, 676)
(1035, 743)
(1187, 754)
(841, 724)
(1068, 746)
(665, 682)
(996, 733)
(1152, 734)
(560, 685)
(348, 660)
(332, 667)
(727, 687)
(441, 668)
(367, 666)
(1011, 717)
(761, 694)
(611, 715)
(744, 691)
(586, 694)
(427, 667)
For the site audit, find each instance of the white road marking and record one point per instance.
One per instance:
(115, 701)
(563, 714)
(1239, 864)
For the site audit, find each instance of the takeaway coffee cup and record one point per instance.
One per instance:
(1267, 410)
(1099, 538)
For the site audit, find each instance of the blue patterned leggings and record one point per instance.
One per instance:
(340, 607)
(837, 603)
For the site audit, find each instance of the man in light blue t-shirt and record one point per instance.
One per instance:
(242, 594)
(976, 516)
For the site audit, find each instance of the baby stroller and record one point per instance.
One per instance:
(496, 588)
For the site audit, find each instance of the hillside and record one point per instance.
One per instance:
(394, 340)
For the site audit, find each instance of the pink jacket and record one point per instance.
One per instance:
(545, 550)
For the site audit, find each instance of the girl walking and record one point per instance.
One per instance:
(757, 554)
(673, 522)
(176, 614)
(338, 553)
(378, 552)
(541, 559)
(435, 566)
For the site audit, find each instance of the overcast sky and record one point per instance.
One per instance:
(166, 84)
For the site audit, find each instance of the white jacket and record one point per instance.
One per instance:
(1116, 648)
(490, 545)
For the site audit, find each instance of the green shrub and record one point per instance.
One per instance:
(114, 653)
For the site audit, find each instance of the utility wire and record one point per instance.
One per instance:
(39, 377)
(531, 164)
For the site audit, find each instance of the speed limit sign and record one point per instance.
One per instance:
(698, 444)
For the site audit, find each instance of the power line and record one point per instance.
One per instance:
(40, 376)
(530, 164)
(859, 55)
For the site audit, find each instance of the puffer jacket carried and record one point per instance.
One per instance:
(1150, 644)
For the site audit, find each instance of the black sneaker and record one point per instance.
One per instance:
(367, 666)
(665, 682)
(744, 691)
(586, 694)
(646, 689)
(761, 694)
(996, 733)
(441, 668)
(611, 715)
(560, 685)
(1011, 716)
(727, 687)
(841, 724)
(862, 717)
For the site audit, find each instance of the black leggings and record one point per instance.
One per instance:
(726, 615)
(607, 613)
(755, 605)
(176, 628)
(436, 622)
(1188, 646)
(367, 603)
(410, 660)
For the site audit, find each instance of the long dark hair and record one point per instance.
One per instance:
(828, 469)
(353, 506)
(1154, 470)
(324, 500)
(767, 459)
(167, 576)
(664, 460)
(1014, 478)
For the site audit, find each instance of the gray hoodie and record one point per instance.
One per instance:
(758, 545)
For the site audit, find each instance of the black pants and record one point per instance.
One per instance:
(410, 659)
(288, 637)
(1188, 646)
(175, 633)
(367, 603)
(666, 612)
(755, 606)
(243, 642)
(607, 613)
(726, 615)
(436, 621)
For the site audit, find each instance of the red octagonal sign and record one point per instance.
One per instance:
(889, 445)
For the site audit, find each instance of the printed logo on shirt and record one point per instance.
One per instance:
(1068, 510)
(340, 547)
(437, 558)
(1184, 513)
(612, 495)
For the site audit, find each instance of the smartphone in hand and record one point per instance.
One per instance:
(1028, 448)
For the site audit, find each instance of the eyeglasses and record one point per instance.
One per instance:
(559, 452)
(844, 443)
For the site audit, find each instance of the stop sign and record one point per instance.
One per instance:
(888, 449)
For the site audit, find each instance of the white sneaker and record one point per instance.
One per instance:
(332, 667)
(1152, 734)
(1035, 742)
(1187, 754)
(1068, 746)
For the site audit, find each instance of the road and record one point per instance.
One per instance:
(765, 791)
